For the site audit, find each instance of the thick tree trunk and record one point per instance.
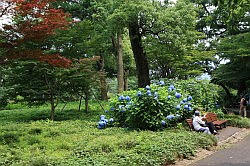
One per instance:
(120, 74)
(103, 87)
(241, 87)
(229, 95)
(140, 57)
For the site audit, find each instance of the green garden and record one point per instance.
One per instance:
(89, 82)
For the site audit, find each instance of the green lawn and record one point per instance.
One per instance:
(29, 138)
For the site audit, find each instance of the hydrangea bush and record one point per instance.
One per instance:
(156, 106)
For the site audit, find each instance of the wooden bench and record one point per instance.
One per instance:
(190, 123)
(212, 117)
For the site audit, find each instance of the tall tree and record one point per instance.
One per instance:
(152, 22)
(235, 73)
(220, 19)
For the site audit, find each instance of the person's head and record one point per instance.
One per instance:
(197, 113)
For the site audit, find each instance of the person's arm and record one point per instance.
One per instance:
(200, 121)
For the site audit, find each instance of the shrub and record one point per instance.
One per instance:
(162, 104)
(39, 161)
(9, 138)
(35, 131)
(238, 121)
(151, 108)
(32, 140)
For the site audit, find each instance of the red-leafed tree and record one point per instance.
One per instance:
(23, 39)
(32, 22)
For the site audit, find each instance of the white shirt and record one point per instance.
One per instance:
(197, 122)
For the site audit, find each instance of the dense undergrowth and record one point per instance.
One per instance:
(29, 138)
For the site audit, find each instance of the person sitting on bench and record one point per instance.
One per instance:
(200, 125)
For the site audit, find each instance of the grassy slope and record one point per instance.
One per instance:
(28, 138)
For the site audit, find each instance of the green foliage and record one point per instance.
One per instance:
(162, 104)
(204, 93)
(238, 121)
(35, 131)
(79, 142)
(9, 138)
(235, 73)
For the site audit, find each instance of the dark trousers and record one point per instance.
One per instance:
(211, 127)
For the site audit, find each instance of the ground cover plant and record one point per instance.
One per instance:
(76, 137)
(29, 138)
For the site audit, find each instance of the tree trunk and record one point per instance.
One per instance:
(87, 103)
(241, 87)
(103, 83)
(52, 112)
(80, 103)
(126, 73)
(120, 74)
(140, 57)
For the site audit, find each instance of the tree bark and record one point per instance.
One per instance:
(103, 83)
(241, 87)
(120, 73)
(80, 103)
(52, 112)
(126, 73)
(140, 57)
(86, 103)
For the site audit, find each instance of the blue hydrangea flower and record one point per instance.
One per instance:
(161, 83)
(178, 107)
(169, 97)
(102, 117)
(163, 123)
(121, 97)
(186, 106)
(149, 93)
(156, 94)
(129, 103)
(111, 120)
(112, 109)
(106, 111)
(169, 117)
(172, 87)
(139, 93)
(189, 98)
(121, 106)
(177, 95)
(190, 109)
(181, 102)
(169, 89)
(189, 104)
(184, 100)
(127, 98)
(147, 87)
(101, 125)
